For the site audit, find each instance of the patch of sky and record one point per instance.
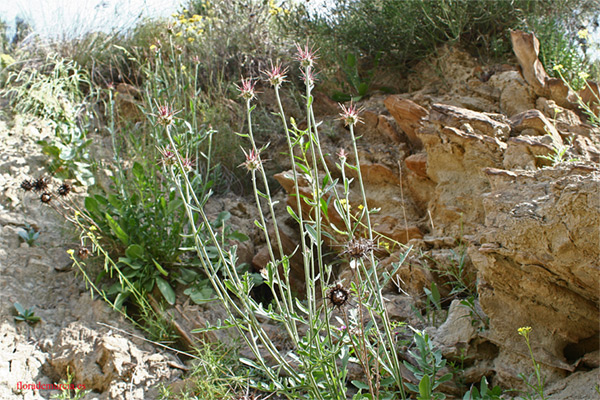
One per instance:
(69, 19)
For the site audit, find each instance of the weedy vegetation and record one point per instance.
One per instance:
(150, 122)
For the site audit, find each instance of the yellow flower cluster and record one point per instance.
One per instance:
(274, 9)
(190, 26)
(583, 34)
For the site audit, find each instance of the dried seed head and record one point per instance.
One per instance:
(64, 190)
(41, 184)
(83, 253)
(27, 185)
(359, 248)
(46, 198)
(338, 295)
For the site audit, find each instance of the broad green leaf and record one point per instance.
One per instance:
(135, 251)
(166, 290)
(117, 230)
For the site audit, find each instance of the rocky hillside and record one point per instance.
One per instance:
(468, 169)
(490, 175)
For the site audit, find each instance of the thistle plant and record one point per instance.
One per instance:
(316, 365)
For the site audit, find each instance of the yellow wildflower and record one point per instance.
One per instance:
(524, 331)
(583, 34)
(558, 67)
(583, 75)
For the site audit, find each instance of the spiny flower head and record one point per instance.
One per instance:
(342, 155)
(64, 190)
(40, 184)
(359, 248)
(168, 156)
(188, 164)
(253, 161)
(165, 115)
(247, 89)
(27, 185)
(350, 114)
(306, 55)
(276, 75)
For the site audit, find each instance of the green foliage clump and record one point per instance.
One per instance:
(56, 93)
(404, 32)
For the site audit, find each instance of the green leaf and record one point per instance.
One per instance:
(160, 268)
(360, 385)
(135, 251)
(291, 211)
(239, 236)
(341, 97)
(91, 205)
(117, 230)
(138, 171)
(20, 309)
(166, 290)
(425, 388)
(121, 297)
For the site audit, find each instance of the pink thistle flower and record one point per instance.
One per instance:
(308, 76)
(276, 76)
(165, 115)
(253, 161)
(342, 155)
(306, 55)
(168, 156)
(247, 89)
(350, 114)
(188, 165)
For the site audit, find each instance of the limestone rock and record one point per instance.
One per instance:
(454, 335)
(526, 152)
(455, 163)
(101, 360)
(535, 120)
(527, 47)
(515, 95)
(458, 117)
(417, 163)
(534, 264)
(408, 115)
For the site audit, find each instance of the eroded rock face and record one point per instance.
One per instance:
(520, 189)
(108, 362)
(536, 261)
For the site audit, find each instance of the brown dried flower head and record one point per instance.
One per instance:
(27, 185)
(46, 198)
(83, 253)
(338, 295)
(40, 184)
(359, 248)
(64, 190)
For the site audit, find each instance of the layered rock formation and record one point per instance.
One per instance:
(503, 164)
